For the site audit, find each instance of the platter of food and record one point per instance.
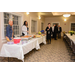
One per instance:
(38, 36)
(43, 34)
(27, 37)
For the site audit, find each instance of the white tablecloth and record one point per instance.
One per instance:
(18, 51)
(12, 51)
(42, 40)
(72, 38)
(30, 45)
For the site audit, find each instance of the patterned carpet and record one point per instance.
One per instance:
(54, 52)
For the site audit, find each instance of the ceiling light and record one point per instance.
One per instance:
(67, 15)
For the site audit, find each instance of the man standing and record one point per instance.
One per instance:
(53, 30)
(9, 32)
(59, 31)
(48, 33)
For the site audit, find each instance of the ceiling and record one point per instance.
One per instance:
(53, 14)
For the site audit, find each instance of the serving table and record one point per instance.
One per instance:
(19, 50)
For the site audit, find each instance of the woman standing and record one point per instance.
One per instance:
(25, 29)
(48, 32)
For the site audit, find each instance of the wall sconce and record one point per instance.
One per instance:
(39, 17)
(27, 13)
(64, 19)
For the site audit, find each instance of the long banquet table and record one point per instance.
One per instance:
(71, 41)
(18, 51)
(72, 38)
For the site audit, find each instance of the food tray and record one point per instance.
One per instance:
(26, 38)
(38, 36)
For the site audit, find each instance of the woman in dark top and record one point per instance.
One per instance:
(48, 32)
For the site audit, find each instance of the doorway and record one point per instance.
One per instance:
(55, 23)
(42, 24)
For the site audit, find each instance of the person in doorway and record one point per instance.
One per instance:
(53, 30)
(48, 33)
(9, 32)
(25, 29)
(59, 31)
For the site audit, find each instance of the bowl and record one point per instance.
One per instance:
(17, 40)
(10, 43)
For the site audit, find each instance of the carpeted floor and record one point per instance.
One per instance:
(54, 52)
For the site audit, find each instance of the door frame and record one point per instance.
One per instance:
(54, 22)
(43, 25)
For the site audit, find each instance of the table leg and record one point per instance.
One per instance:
(23, 60)
(8, 59)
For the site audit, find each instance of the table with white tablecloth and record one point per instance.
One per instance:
(42, 40)
(71, 41)
(72, 38)
(18, 51)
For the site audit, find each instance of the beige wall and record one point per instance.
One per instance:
(0, 31)
(61, 21)
(45, 20)
(32, 15)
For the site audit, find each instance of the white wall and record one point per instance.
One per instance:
(34, 16)
(26, 17)
(0, 31)
(61, 21)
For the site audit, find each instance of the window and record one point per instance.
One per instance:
(16, 22)
(6, 19)
(33, 26)
(15, 25)
(73, 26)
